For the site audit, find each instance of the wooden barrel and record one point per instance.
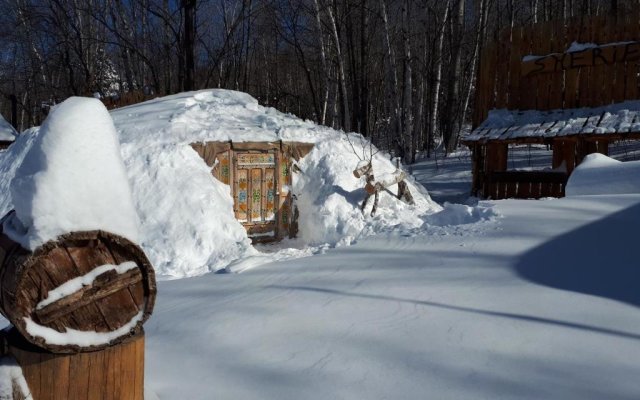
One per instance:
(82, 292)
(114, 373)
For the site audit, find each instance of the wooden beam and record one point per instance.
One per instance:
(104, 285)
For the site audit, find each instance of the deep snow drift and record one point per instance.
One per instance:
(72, 178)
(187, 224)
(599, 174)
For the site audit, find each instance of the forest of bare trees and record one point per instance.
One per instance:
(398, 71)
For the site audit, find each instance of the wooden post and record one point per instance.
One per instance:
(114, 373)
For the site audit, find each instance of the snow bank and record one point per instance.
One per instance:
(187, 221)
(461, 214)
(7, 133)
(10, 376)
(329, 196)
(187, 224)
(599, 174)
(71, 179)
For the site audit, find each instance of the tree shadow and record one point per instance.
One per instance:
(600, 259)
(499, 314)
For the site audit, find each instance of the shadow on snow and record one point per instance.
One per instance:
(600, 259)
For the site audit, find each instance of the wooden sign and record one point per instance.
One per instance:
(600, 55)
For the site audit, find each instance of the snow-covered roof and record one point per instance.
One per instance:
(7, 133)
(211, 115)
(534, 125)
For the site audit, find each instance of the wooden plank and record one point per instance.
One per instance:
(41, 282)
(569, 155)
(502, 72)
(570, 93)
(524, 190)
(605, 73)
(556, 90)
(29, 361)
(584, 74)
(492, 61)
(61, 382)
(631, 72)
(528, 176)
(128, 364)
(223, 168)
(137, 290)
(139, 368)
(527, 84)
(535, 190)
(79, 375)
(116, 354)
(602, 147)
(47, 367)
(97, 376)
(105, 285)
(512, 190)
(110, 372)
(543, 44)
(256, 195)
(557, 157)
(85, 259)
(619, 69)
(515, 68)
(242, 192)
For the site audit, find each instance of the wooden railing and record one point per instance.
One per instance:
(524, 184)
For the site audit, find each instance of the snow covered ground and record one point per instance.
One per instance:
(519, 300)
(511, 299)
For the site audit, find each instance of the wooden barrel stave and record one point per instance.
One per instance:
(111, 301)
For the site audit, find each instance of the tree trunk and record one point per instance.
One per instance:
(453, 98)
(392, 78)
(189, 38)
(435, 101)
(344, 98)
(407, 86)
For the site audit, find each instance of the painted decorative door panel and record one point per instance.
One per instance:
(256, 193)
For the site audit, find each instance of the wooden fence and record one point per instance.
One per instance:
(556, 78)
(524, 184)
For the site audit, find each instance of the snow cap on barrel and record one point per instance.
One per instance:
(72, 179)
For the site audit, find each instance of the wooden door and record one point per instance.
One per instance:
(256, 195)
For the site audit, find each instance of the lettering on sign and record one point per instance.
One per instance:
(601, 55)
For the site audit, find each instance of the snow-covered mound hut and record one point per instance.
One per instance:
(7, 133)
(190, 221)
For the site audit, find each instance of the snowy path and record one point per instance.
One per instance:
(475, 311)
